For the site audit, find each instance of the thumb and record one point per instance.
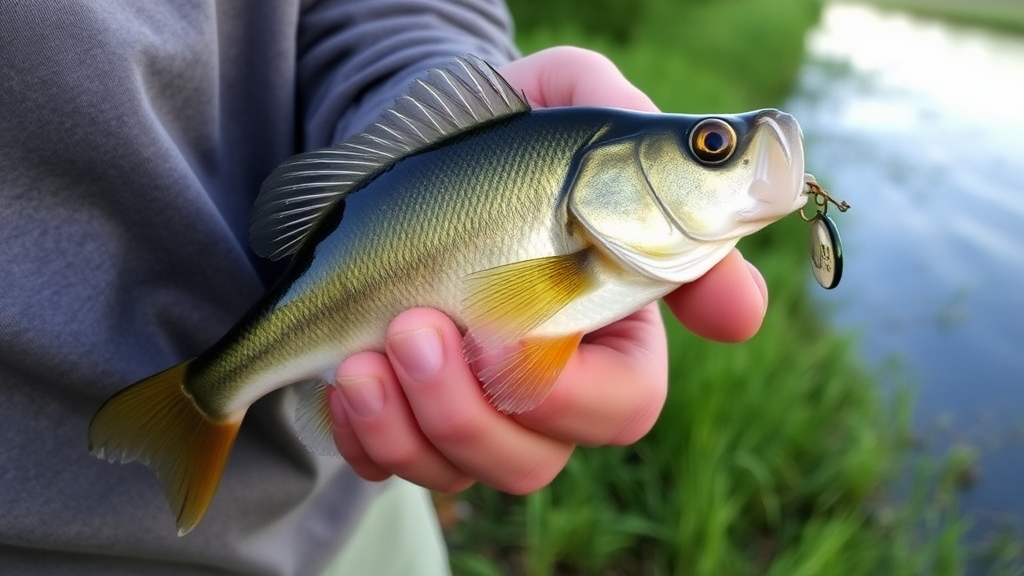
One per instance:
(570, 76)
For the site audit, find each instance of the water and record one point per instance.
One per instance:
(920, 126)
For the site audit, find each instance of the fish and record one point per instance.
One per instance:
(528, 227)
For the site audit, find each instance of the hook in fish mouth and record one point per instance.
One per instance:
(821, 197)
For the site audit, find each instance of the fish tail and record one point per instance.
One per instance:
(156, 422)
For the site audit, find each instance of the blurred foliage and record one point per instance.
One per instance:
(772, 456)
(697, 55)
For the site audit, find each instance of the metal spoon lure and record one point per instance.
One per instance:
(826, 248)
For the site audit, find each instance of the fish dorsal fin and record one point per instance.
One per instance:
(448, 101)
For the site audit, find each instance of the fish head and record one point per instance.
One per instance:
(730, 176)
(676, 196)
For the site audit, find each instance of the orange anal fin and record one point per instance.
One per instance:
(156, 422)
(517, 377)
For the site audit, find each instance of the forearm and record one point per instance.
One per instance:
(355, 56)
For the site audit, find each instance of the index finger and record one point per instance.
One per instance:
(726, 304)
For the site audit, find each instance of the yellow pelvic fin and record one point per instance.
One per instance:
(517, 377)
(156, 422)
(504, 303)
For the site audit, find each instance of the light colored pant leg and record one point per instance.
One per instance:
(398, 536)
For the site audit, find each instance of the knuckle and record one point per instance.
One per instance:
(637, 426)
(365, 467)
(578, 54)
(372, 473)
(535, 477)
(454, 429)
(398, 456)
(642, 413)
(454, 485)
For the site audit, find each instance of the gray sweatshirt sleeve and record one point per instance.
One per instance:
(133, 139)
(355, 56)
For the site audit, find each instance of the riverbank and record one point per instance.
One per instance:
(1006, 15)
(772, 456)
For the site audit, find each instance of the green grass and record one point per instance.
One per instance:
(771, 457)
(1006, 15)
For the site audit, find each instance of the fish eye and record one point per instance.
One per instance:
(712, 141)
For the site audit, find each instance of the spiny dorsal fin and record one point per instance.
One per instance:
(448, 101)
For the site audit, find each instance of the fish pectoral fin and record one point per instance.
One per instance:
(504, 303)
(517, 377)
(313, 422)
(156, 422)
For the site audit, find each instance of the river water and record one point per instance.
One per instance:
(919, 124)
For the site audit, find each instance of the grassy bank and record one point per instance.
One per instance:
(772, 456)
(1006, 15)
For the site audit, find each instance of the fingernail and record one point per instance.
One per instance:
(365, 396)
(758, 279)
(419, 352)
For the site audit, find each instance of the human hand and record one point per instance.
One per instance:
(419, 411)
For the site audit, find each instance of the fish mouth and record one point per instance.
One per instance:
(776, 187)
